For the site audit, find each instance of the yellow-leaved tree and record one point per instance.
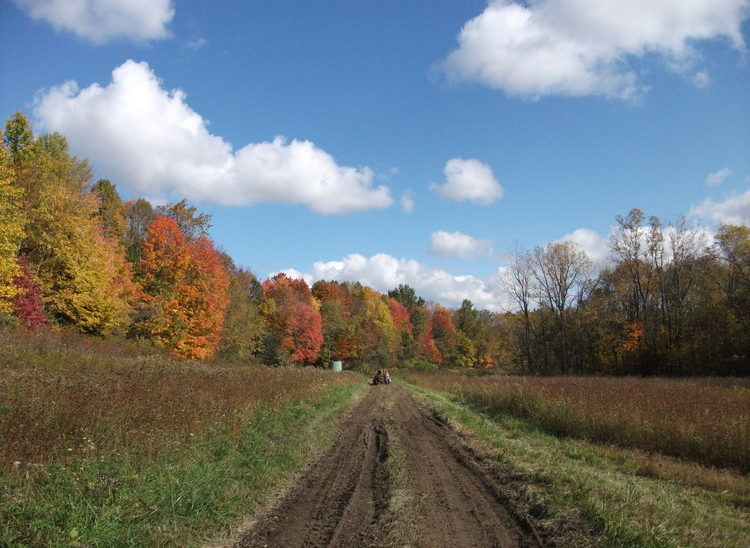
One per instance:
(11, 231)
(82, 271)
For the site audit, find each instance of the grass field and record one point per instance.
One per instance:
(624, 497)
(113, 444)
(703, 420)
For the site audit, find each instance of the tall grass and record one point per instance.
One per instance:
(703, 420)
(65, 395)
(105, 443)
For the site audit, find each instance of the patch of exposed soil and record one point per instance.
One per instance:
(343, 498)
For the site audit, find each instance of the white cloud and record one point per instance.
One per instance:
(735, 210)
(469, 180)
(701, 79)
(407, 201)
(457, 244)
(148, 138)
(103, 21)
(383, 272)
(718, 177)
(598, 247)
(595, 246)
(197, 43)
(579, 47)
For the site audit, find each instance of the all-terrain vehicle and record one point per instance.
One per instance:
(381, 377)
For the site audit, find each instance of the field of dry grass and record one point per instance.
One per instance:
(703, 420)
(106, 443)
(62, 396)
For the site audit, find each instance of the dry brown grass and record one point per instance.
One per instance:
(703, 420)
(64, 394)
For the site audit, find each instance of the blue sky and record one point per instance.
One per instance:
(397, 142)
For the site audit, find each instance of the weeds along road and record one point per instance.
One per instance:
(395, 475)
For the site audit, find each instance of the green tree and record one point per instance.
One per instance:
(244, 332)
(139, 215)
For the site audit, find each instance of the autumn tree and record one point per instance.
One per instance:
(28, 305)
(138, 217)
(185, 291)
(244, 331)
(733, 250)
(304, 333)
(733, 246)
(18, 138)
(111, 209)
(338, 329)
(376, 332)
(82, 272)
(518, 282)
(561, 271)
(415, 305)
(295, 332)
(193, 224)
(11, 231)
(428, 350)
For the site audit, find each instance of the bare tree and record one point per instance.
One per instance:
(561, 271)
(519, 283)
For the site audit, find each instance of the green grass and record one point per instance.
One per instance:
(191, 488)
(626, 497)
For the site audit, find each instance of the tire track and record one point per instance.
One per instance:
(343, 498)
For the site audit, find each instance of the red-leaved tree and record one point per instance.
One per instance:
(28, 305)
(293, 319)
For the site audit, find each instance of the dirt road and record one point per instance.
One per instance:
(396, 475)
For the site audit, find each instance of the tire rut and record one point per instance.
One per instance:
(343, 497)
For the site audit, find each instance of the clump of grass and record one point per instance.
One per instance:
(703, 420)
(104, 443)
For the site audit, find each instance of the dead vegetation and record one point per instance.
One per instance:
(62, 395)
(702, 420)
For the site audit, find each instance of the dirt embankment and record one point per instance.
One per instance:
(348, 496)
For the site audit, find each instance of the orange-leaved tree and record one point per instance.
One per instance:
(185, 287)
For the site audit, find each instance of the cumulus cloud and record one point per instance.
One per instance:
(384, 272)
(718, 177)
(735, 210)
(103, 21)
(457, 244)
(148, 139)
(579, 47)
(595, 246)
(469, 180)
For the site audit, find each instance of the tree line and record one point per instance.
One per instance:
(669, 303)
(73, 253)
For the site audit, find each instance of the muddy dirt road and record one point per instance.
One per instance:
(395, 475)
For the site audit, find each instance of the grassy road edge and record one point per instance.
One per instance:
(202, 491)
(570, 485)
